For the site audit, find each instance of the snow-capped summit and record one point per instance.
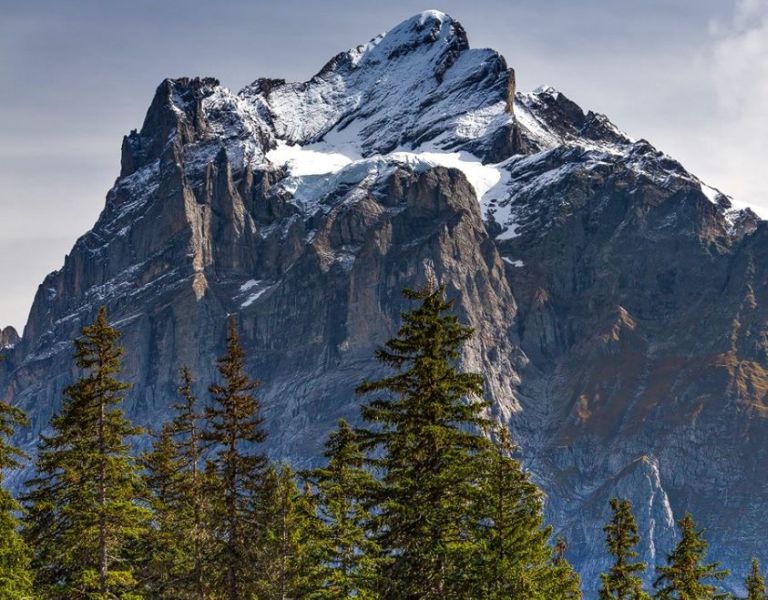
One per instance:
(403, 88)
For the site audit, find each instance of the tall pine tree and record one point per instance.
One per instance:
(162, 551)
(15, 573)
(686, 576)
(84, 506)
(755, 583)
(622, 581)
(425, 421)
(193, 506)
(343, 488)
(513, 557)
(292, 541)
(174, 553)
(234, 430)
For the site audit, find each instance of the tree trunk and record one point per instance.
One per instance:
(103, 566)
(233, 523)
(199, 584)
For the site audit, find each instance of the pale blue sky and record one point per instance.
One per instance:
(689, 75)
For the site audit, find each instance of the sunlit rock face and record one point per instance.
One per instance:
(619, 303)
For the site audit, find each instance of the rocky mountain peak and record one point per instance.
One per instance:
(433, 34)
(176, 111)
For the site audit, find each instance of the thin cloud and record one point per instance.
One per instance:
(738, 74)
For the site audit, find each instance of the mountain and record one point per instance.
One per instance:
(620, 304)
(8, 337)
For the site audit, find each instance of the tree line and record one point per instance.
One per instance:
(425, 500)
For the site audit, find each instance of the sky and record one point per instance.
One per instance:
(690, 76)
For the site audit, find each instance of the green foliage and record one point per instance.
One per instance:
(163, 551)
(622, 581)
(291, 545)
(423, 440)
(419, 504)
(236, 469)
(686, 576)
(15, 573)
(83, 506)
(174, 551)
(513, 558)
(342, 489)
(755, 583)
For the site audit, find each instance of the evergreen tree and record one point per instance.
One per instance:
(174, 551)
(293, 541)
(233, 430)
(513, 555)
(425, 433)
(685, 575)
(15, 573)
(193, 505)
(164, 550)
(755, 583)
(342, 491)
(622, 581)
(84, 506)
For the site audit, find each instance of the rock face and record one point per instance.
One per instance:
(8, 337)
(620, 304)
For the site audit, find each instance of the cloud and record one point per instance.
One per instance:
(737, 64)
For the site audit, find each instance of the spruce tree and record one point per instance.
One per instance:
(293, 541)
(343, 488)
(165, 549)
(193, 507)
(755, 583)
(174, 552)
(234, 429)
(15, 573)
(84, 508)
(425, 423)
(686, 576)
(513, 557)
(622, 581)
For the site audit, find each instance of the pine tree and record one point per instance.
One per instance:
(755, 583)
(685, 575)
(622, 581)
(513, 557)
(84, 507)
(342, 490)
(293, 541)
(164, 550)
(15, 573)
(425, 421)
(233, 430)
(193, 506)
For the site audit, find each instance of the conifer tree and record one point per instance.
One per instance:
(686, 576)
(84, 504)
(514, 557)
(193, 506)
(15, 573)
(425, 423)
(343, 487)
(234, 429)
(164, 550)
(293, 542)
(622, 581)
(755, 583)
(174, 551)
